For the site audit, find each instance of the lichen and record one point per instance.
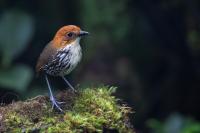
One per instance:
(88, 110)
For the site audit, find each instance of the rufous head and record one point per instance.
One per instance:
(68, 34)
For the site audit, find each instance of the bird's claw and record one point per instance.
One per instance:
(56, 103)
(74, 90)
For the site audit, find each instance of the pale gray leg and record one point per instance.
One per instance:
(52, 98)
(68, 83)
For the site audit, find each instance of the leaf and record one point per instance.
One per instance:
(174, 123)
(16, 31)
(16, 78)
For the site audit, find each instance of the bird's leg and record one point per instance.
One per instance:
(52, 98)
(68, 83)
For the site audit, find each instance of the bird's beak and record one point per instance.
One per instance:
(83, 33)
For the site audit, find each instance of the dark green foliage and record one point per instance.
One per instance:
(16, 31)
(175, 123)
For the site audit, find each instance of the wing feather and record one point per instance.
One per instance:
(45, 57)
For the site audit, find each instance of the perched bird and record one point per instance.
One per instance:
(61, 56)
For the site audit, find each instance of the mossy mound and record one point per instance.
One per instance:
(89, 110)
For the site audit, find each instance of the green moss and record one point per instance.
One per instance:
(90, 110)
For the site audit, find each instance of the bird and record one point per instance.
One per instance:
(60, 56)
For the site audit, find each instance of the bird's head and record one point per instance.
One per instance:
(68, 35)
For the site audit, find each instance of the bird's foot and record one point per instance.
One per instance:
(55, 103)
(73, 89)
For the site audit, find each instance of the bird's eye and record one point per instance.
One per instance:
(70, 34)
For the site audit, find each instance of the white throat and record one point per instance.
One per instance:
(74, 55)
(76, 42)
(74, 47)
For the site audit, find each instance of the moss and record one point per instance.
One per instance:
(89, 110)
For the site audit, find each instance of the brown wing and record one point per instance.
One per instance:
(45, 57)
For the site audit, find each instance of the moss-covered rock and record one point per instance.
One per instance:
(89, 110)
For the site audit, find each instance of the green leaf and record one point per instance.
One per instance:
(16, 31)
(174, 123)
(16, 78)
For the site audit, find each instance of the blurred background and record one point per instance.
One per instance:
(149, 49)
